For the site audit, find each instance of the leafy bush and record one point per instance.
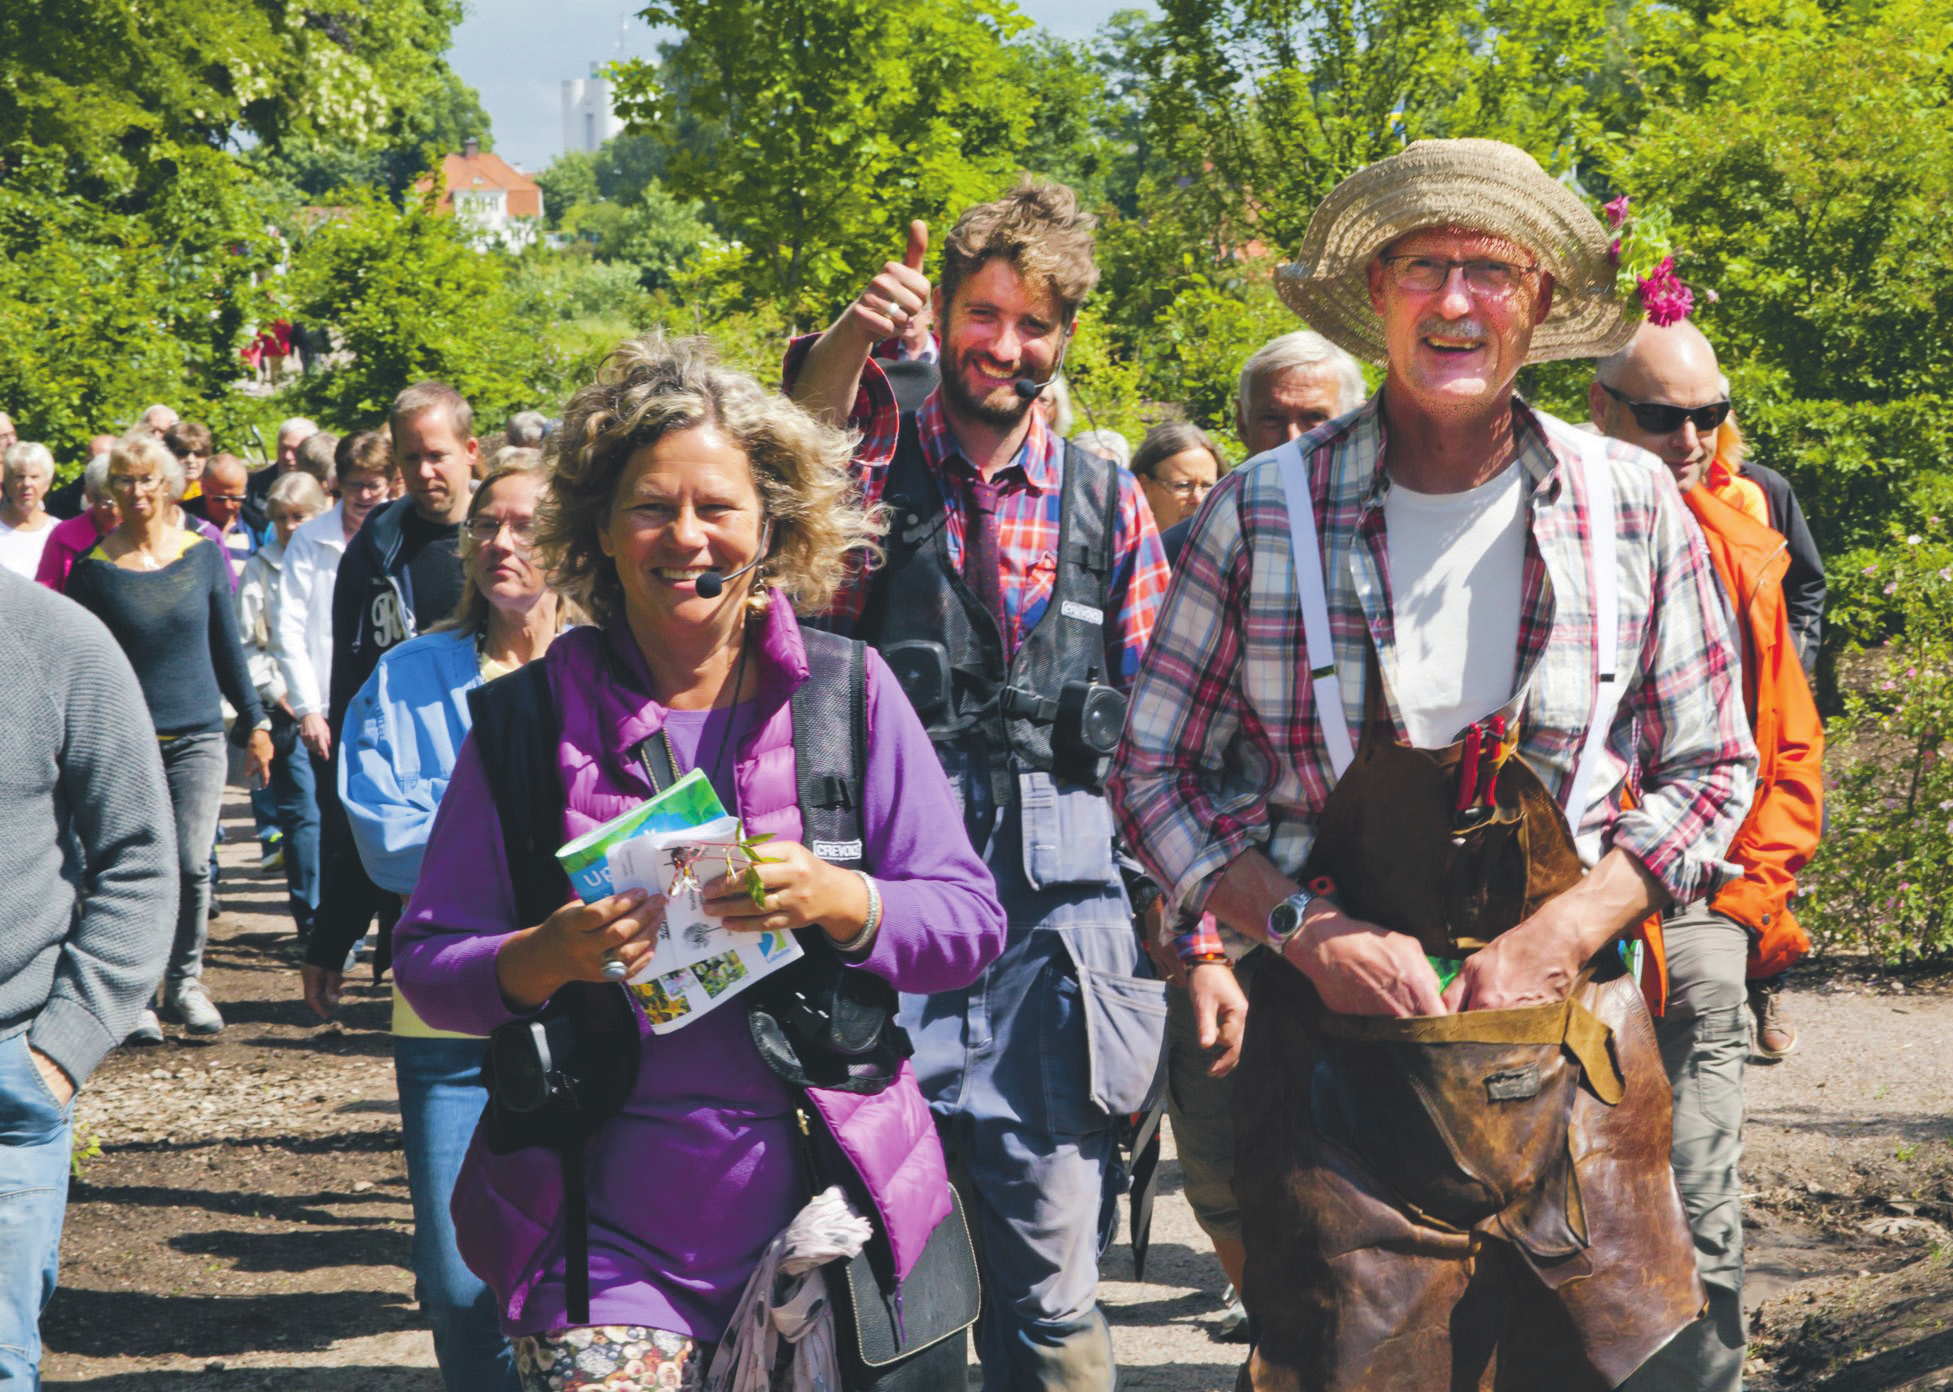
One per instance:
(1883, 879)
(410, 299)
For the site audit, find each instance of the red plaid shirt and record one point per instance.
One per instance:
(1223, 748)
(1027, 520)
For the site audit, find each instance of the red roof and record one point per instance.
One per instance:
(484, 172)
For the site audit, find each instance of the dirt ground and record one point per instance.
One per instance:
(246, 1224)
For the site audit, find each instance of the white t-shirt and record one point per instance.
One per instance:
(1456, 561)
(20, 551)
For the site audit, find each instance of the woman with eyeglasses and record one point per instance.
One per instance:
(1176, 465)
(400, 739)
(164, 591)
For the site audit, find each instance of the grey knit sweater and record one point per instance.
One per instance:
(88, 879)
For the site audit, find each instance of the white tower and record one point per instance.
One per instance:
(588, 120)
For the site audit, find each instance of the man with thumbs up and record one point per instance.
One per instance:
(1021, 582)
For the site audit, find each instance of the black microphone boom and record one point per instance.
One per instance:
(709, 585)
(1029, 390)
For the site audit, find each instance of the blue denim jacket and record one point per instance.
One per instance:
(403, 730)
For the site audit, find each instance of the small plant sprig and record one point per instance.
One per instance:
(741, 854)
(748, 847)
(1644, 257)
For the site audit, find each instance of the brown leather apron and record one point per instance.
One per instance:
(1477, 1201)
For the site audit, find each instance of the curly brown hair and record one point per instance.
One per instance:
(650, 387)
(1039, 228)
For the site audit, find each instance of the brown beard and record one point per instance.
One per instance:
(959, 399)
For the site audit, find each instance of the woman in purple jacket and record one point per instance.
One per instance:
(670, 467)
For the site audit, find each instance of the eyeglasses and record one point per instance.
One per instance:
(363, 487)
(223, 497)
(1486, 278)
(1184, 488)
(1660, 418)
(485, 529)
(129, 483)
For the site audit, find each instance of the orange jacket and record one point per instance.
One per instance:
(1781, 832)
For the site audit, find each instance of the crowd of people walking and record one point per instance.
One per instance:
(1412, 810)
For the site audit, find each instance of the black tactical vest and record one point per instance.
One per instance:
(994, 709)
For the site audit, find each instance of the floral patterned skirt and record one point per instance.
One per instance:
(611, 1357)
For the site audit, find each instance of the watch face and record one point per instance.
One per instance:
(1286, 917)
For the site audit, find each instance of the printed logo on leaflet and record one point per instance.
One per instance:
(837, 850)
(1085, 613)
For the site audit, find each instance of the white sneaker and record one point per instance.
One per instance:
(148, 1030)
(1233, 1325)
(191, 1004)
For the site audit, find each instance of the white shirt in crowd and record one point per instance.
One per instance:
(1456, 566)
(20, 550)
(303, 636)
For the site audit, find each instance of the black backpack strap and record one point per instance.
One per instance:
(830, 746)
(515, 726)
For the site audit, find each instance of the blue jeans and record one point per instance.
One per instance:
(441, 1099)
(34, 1154)
(194, 766)
(294, 793)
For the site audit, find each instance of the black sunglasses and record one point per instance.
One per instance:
(1660, 418)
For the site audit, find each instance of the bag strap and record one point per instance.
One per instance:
(660, 765)
(1601, 550)
(1305, 547)
(576, 1233)
(514, 726)
(830, 746)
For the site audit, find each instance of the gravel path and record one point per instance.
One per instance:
(246, 1225)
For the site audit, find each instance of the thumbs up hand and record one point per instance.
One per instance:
(896, 297)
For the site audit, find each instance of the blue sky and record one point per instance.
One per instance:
(517, 53)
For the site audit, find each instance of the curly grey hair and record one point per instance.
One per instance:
(650, 387)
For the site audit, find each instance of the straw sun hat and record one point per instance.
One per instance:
(1485, 185)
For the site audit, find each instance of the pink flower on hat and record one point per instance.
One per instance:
(1664, 296)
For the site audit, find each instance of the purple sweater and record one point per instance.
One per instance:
(700, 1169)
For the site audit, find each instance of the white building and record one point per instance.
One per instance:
(497, 202)
(588, 120)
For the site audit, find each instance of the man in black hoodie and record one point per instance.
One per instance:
(402, 572)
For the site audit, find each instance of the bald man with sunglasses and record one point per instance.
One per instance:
(1666, 393)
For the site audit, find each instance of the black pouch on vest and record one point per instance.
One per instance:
(556, 1078)
(820, 1023)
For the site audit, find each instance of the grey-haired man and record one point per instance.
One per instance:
(1452, 1122)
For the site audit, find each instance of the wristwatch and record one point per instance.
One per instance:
(1285, 919)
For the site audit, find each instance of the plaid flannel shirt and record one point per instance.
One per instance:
(1027, 521)
(1223, 751)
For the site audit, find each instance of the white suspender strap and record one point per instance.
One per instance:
(1601, 522)
(1306, 549)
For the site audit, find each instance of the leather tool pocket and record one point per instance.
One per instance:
(1465, 1117)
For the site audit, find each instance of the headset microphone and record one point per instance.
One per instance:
(1028, 390)
(712, 583)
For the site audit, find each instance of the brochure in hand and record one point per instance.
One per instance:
(672, 845)
(699, 963)
(689, 802)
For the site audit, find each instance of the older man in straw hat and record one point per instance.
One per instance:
(1383, 727)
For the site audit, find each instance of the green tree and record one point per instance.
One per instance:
(569, 182)
(125, 92)
(408, 298)
(834, 122)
